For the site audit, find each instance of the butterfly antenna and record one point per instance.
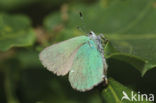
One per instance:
(81, 16)
(83, 26)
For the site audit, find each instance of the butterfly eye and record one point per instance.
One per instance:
(90, 33)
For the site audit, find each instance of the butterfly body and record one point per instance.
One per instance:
(82, 57)
(98, 41)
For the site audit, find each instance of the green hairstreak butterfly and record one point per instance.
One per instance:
(82, 57)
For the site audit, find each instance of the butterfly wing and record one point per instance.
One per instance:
(87, 69)
(58, 58)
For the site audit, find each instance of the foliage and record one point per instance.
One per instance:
(129, 25)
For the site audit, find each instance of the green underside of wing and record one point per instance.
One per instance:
(87, 68)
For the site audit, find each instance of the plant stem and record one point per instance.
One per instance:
(8, 85)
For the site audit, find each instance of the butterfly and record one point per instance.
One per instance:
(82, 57)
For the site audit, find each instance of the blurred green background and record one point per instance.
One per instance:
(28, 26)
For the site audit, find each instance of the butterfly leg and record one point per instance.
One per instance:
(105, 71)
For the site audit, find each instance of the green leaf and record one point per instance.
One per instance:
(114, 93)
(139, 50)
(15, 31)
(52, 20)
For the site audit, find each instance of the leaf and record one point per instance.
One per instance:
(139, 50)
(15, 31)
(55, 20)
(129, 25)
(115, 91)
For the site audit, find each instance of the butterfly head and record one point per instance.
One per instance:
(92, 35)
(100, 38)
